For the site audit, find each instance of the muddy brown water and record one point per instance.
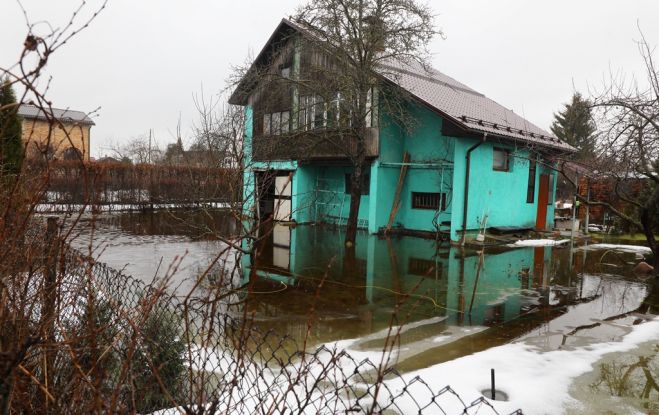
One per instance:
(452, 301)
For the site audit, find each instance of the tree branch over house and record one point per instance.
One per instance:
(342, 47)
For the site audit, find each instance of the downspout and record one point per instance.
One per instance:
(465, 204)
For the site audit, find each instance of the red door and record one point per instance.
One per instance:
(543, 194)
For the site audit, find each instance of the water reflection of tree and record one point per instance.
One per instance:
(628, 378)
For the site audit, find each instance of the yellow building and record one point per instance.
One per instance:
(55, 135)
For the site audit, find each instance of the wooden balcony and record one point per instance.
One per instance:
(312, 145)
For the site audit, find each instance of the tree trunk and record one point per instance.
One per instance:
(355, 201)
(648, 221)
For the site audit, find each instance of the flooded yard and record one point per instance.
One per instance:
(520, 310)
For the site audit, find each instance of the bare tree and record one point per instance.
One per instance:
(358, 38)
(219, 132)
(142, 149)
(349, 54)
(628, 121)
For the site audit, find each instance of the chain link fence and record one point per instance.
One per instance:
(133, 347)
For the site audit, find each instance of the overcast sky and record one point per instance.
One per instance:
(141, 61)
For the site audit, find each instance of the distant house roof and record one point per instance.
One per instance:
(32, 112)
(468, 109)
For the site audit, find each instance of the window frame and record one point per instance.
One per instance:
(267, 128)
(506, 152)
(530, 186)
(550, 190)
(417, 203)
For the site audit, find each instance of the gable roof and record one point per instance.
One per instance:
(32, 112)
(468, 109)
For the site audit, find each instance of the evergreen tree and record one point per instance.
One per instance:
(11, 147)
(575, 126)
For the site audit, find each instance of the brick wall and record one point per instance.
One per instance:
(38, 135)
(603, 190)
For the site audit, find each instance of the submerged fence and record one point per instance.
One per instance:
(127, 346)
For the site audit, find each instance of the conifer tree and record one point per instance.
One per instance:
(575, 126)
(11, 147)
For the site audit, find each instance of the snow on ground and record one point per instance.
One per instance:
(119, 207)
(619, 248)
(538, 242)
(536, 382)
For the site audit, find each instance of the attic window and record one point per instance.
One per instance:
(501, 159)
(285, 71)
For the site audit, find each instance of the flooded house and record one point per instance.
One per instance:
(467, 163)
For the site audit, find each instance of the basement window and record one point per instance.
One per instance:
(501, 160)
(433, 201)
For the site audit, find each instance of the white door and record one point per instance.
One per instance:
(283, 197)
(281, 246)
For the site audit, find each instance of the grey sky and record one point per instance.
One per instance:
(141, 61)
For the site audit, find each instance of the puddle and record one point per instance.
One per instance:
(621, 383)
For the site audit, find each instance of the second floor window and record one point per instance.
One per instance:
(276, 123)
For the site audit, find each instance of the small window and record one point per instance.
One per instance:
(366, 184)
(285, 117)
(318, 113)
(303, 118)
(530, 191)
(266, 124)
(285, 72)
(550, 190)
(433, 201)
(275, 126)
(501, 160)
(333, 112)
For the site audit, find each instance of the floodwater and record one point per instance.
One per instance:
(147, 245)
(452, 302)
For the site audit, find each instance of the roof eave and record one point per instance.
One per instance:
(239, 95)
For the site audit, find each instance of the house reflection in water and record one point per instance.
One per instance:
(453, 286)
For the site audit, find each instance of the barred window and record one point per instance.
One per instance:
(423, 200)
(423, 267)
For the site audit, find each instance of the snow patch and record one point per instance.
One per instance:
(619, 248)
(537, 382)
(538, 242)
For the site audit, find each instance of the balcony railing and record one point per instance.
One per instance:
(313, 145)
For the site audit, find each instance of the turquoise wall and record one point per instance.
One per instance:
(322, 193)
(499, 195)
(437, 165)
(430, 170)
